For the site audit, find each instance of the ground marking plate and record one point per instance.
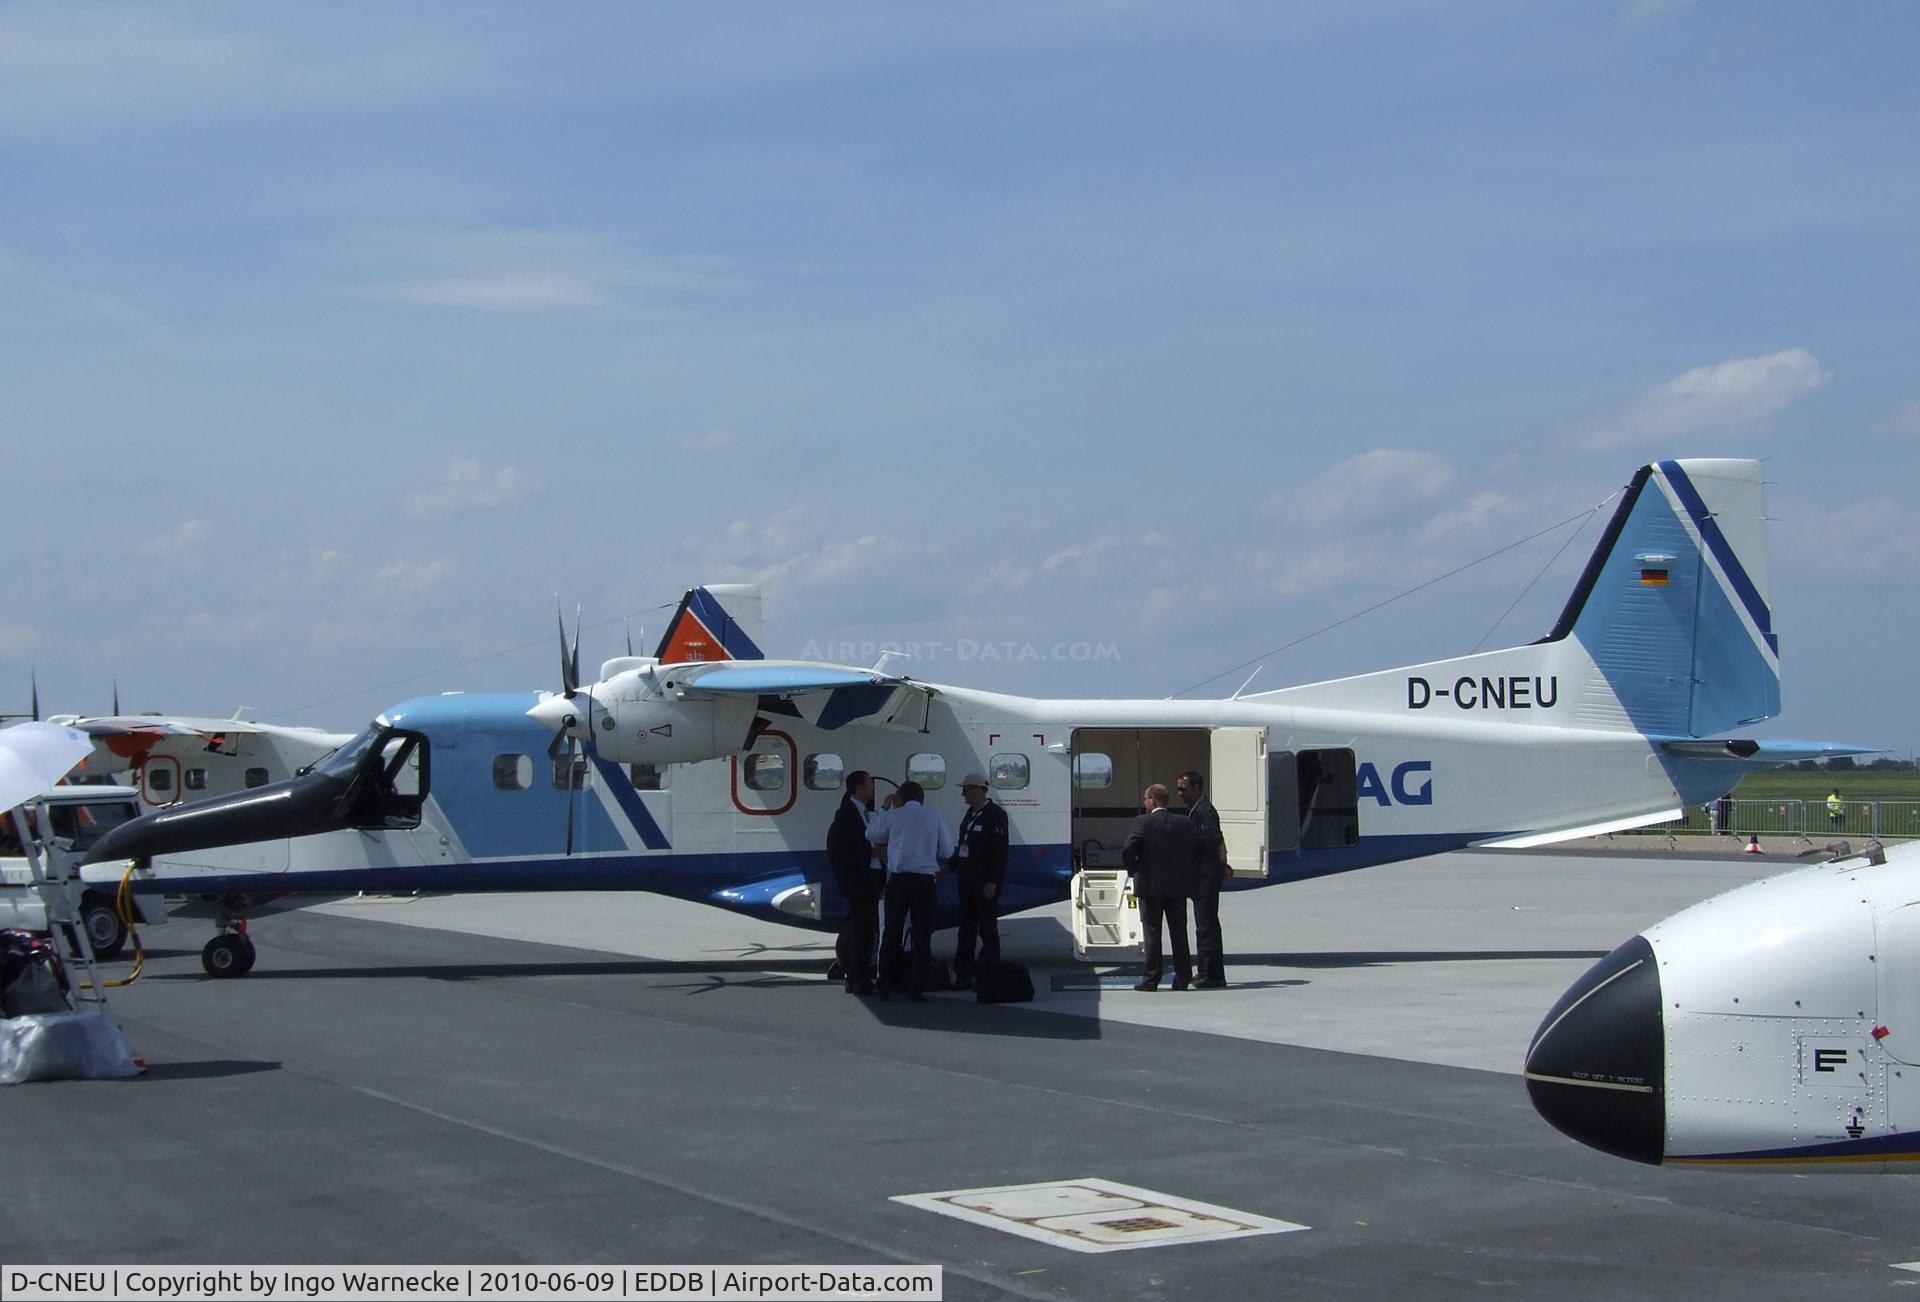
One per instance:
(1095, 1215)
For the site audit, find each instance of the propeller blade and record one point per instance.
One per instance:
(569, 665)
(575, 679)
(629, 625)
(573, 782)
(116, 697)
(35, 677)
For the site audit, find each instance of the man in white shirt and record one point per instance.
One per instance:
(918, 845)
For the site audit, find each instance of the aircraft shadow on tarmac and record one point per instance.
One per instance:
(206, 1070)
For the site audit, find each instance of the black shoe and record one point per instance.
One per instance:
(963, 983)
(862, 988)
(1183, 985)
(883, 994)
(836, 971)
(1148, 986)
(916, 999)
(1210, 983)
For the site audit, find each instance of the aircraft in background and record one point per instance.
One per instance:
(173, 759)
(709, 773)
(1769, 1027)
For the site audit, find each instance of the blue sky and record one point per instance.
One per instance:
(335, 341)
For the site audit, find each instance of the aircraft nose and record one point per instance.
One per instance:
(556, 713)
(1596, 1068)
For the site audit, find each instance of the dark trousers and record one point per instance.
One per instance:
(979, 921)
(909, 896)
(1209, 949)
(862, 931)
(1173, 910)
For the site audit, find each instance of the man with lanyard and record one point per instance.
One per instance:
(918, 845)
(851, 856)
(1209, 949)
(981, 858)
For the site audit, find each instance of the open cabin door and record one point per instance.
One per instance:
(1239, 786)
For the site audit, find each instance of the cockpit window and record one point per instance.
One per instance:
(343, 762)
(85, 824)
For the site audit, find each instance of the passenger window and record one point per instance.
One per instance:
(823, 772)
(159, 777)
(196, 779)
(1092, 771)
(513, 772)
(648, 777)
(1009, 772)
(256, 777)
(930, 771)
(570, 772)
(766, 771)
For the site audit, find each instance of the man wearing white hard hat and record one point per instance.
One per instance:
(980, 854)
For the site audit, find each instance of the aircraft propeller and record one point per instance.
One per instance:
(570, 684)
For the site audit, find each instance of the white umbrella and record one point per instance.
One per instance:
(35, 756)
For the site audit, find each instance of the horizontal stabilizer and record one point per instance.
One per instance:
(1761, 754)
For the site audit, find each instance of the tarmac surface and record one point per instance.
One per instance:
(627, 1079)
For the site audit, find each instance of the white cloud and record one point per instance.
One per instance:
(183, 544)
(65, 66)
(464, 486)
(405, 581)
(1471, 517)
(18, 639)
(1075, 553)
(1729, 398)
(1368, 486)
(509, 270)
(710, 441)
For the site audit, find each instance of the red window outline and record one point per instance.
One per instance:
(793, 775)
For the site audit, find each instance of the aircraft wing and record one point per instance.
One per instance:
(826, 696)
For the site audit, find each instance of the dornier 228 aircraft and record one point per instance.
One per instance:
(710, 773)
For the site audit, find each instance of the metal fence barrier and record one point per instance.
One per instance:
(1808, 820)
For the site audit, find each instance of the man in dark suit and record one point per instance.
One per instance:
(981, 858)
(851, 856)
(1163, 853)
(1207, 944)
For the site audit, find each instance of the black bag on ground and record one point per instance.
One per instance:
(31, 980)
(1000, 982)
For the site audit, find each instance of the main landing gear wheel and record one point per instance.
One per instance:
(230, 955)
(105, 932)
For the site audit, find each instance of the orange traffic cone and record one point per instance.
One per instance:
(1753, 846)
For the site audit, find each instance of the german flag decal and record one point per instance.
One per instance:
(1654, 578)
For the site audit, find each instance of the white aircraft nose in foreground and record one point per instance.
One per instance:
(1777, 1025)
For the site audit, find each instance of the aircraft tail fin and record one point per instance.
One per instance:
(1668, 633)
(1673, 609)
(718, 622)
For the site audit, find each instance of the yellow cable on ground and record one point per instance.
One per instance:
(123, 908)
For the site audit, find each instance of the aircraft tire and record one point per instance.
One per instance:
(227, 956)
(105, 932)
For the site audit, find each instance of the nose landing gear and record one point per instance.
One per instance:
(231, 952)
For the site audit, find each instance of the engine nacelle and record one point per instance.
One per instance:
(634, 719)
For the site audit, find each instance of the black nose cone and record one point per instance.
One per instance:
(1596, 1068)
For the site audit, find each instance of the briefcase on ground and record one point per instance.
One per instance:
(1002, 983)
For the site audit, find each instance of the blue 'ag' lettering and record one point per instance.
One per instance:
(1367, 783)
(1423, 796)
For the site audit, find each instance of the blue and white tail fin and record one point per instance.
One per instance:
(1668, 632)
(1673, 609)
(718, 622)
